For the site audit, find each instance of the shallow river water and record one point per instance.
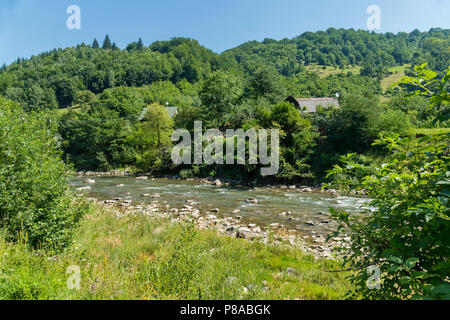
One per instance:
(304, 207)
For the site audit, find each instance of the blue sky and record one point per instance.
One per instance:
(29, 27)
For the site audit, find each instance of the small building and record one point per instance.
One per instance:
(173, 111)
(310, 104)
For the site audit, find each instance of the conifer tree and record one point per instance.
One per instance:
(95, 44)
(140, 44)
(107, 43)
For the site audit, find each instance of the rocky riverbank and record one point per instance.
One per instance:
(226, 223)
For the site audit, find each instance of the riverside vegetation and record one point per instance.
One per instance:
(85, 105)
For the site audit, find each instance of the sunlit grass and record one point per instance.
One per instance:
(137, 257)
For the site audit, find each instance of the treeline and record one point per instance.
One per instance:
(129, 127)
(342, 48)
(52, 79)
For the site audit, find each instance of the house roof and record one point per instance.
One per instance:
(171, 110)
(311, 104)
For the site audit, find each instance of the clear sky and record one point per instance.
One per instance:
(30, 27)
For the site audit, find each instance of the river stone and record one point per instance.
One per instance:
(215, 210)
(90, 181)
(142, 178)
(237, 211)
(217, 183)
(246, 233)
(291, 271)
(84, 189)
(310, 224)
(252, 201)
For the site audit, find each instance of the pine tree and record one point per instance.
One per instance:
(95, 44)
(107, 43)
(140, 44)
(114, 46)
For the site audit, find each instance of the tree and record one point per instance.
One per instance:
(157, 119)
(107, 43)
(140, 45)
(95, 44)
(219, 93)
(35, 200)
(266, 83)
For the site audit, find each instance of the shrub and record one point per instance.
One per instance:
(34, 194)
(408, 234)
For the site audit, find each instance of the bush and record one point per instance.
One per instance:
(408, 234)
(34, 194)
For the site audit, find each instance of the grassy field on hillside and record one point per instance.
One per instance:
(329, 70)
(397, 73)
(137, 257)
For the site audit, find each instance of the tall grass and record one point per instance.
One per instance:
(136, 257)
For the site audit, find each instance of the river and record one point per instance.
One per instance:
(304, 207)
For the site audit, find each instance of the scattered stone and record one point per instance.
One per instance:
(142, 178)
(156, 195)
(84, 189)
(215, 210)
(246, 233)
(325, 221)
(291, 271)
(237, 211)
(217, 183)
(310, 224)
(120, 185)
(90, 181)
(252, 201)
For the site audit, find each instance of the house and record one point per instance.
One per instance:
(310, 104)
(173, 111)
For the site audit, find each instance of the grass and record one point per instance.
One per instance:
(434, 131)
(136, 257)
(329, 70)
(397, 73)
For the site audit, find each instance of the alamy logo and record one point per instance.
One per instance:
(209, 147)
(374, 280)
(374, 21)
(74, 280)
(74, 20)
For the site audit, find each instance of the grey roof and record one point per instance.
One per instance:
(171, 110)
(311, 104)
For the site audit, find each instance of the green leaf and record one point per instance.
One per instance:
(411, 262)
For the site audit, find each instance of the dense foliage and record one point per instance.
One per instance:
(35, 201)
(407, 234)
(97, 95)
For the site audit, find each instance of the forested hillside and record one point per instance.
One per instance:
(97, 95)
(52, 79)
(341, 48)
